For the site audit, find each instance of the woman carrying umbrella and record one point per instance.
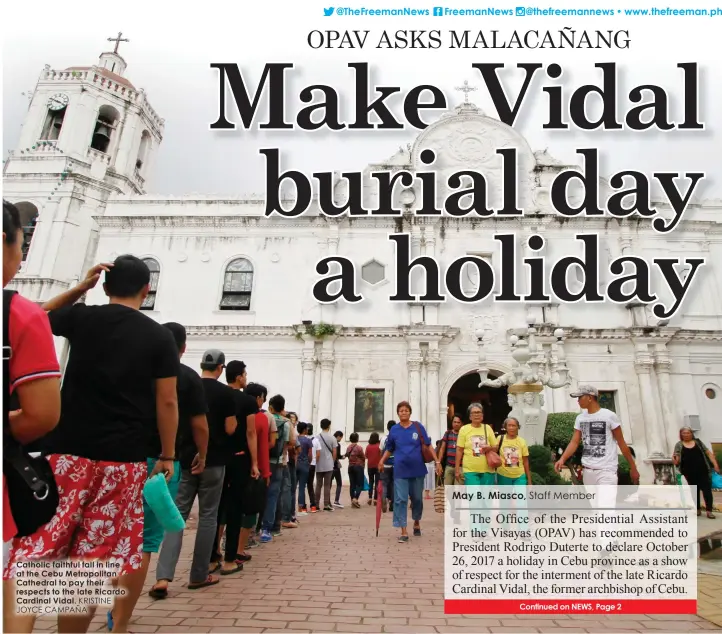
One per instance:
(406, 441)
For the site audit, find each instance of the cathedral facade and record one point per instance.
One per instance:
(242, 282)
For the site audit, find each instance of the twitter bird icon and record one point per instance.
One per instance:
(328, 11)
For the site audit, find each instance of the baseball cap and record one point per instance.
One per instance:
(585, 390)
(212, 359)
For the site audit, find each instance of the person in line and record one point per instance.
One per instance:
(120, 381)
(285, 510)
(292, 457)
(447, 453)
(356, 461)
(303, 466)
(405, 442)
(337, 470)
(600, 431)
(373, 456)
(696, 463)
(326, 456)
(266, 436)
(31, 401)
(315, 447)
(387, 474)
(472, 444)
(222, 423)
(198, 479)
(276, 406)
(242, 467)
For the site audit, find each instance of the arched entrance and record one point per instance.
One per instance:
(466, 391)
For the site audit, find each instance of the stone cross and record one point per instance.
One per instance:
(466, 89)
(118, 40)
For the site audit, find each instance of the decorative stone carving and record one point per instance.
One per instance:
(511, 399)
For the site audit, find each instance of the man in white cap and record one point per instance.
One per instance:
(600, 430)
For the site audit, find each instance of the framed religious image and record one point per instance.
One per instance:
(369, 409)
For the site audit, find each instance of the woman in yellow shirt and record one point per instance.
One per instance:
(472, 445)
(514, 454)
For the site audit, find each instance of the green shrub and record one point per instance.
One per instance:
(541, 465)
(537, 480)
(558, 434)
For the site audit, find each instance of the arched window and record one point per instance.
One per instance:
(28, 219)
(142, 150)
(104, 128)
(149, 301)
(237, 285)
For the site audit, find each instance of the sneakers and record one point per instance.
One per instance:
(314, 509)
(328, 508)
(338, 505)
(289, 525)
(302, 513)
(266, 537)
(276, 533)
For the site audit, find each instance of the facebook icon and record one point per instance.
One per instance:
(438, 10)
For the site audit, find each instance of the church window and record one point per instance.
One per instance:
(142, 150)
(608, 399)
(373, 272)
(53, 124)
(710, 394)
(237, 285)
(149, 301)
(28, 219)
(104, 129)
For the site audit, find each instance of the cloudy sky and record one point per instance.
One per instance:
(169, 54)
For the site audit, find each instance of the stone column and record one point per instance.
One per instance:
(414, 361)
(663, 365)
(433, 362)
(653, 427)
(308, 363)
(327, 364)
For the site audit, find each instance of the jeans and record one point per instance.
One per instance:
(324, 479)
(294, 484)
(208, 486)
(405, 488)
(356, 481)
(302, 472)
(311, 485)
(283, 510)
(387, 479)
(274, 492)
(339, 483)
(238, 475)
(373, 482)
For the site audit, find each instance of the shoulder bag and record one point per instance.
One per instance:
(31, 488)
(492, 457)
(427, 454)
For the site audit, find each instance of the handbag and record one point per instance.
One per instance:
(716, 480)
(427, 454)
(439, 495)
(493, 459)
(31, 488)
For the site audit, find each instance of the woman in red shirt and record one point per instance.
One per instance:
(373, 455)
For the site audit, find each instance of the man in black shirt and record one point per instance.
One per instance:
(197, 479)
(241, 507)
(120, 382)
(222, 425)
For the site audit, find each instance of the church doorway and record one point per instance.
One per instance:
(466, 391)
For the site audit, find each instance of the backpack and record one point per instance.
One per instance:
(31, 488)
(277, 450)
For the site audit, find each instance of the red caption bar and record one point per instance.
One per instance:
(567, 606)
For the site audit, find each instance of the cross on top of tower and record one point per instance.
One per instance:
(118, 40)
(466, 89)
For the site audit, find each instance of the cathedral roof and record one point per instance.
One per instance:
(106, 73)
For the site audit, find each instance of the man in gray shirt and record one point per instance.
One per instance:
(325, 457)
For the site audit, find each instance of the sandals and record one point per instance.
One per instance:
(210, 581)
(417, 531)
(158, 593)
(403, 539)
(216, 567)
(232, 571)
(710, 515)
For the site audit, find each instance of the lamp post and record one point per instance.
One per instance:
(527, 378)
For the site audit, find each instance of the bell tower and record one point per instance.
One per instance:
(89, 133)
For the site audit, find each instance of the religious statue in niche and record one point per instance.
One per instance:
(369, 410)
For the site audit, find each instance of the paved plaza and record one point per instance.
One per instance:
(333, 575)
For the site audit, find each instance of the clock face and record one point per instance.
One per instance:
(58, 102)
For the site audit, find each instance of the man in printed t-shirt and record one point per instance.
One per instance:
(600, 431)
(120, 380)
